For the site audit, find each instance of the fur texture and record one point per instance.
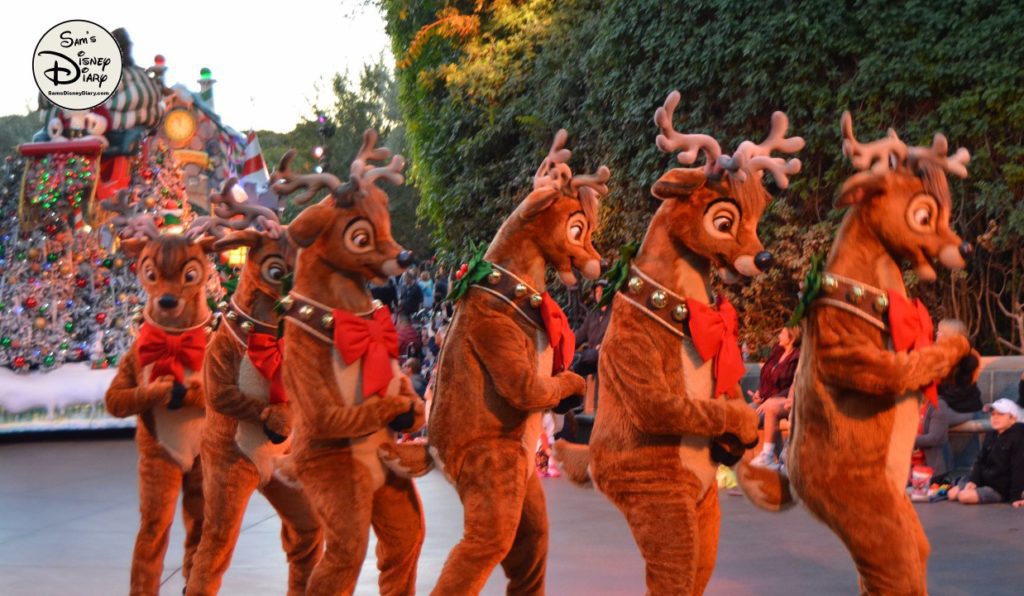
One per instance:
(494, 382)
(167, 440)
(856, 401)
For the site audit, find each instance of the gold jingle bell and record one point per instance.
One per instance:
(881, 303)
(635, 285)
(535, 300)
(327, 321)
(494, 277)
(520, 290)
(659, 299)
(855, 295)
(232, 315)
(246, 326)
(222, 306)
(287, 302)
(829, 284)
(679, 313)
(306, 312)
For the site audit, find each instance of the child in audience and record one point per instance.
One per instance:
(998, 474)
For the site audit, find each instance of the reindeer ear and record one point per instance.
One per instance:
(133, 246)
(305, 228)
(678, 183)
(250, 238)
(860, 188)
(539, 200)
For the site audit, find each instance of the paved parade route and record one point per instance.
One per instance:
(68, 520)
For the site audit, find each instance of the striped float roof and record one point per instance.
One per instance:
(137, 101)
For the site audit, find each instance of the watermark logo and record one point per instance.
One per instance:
(77, 65)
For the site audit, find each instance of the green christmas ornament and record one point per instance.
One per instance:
(5, 342)
(52, 257)
(69, 326)
(43, 309)
(49, 360)
(64, 345)
(108, 263)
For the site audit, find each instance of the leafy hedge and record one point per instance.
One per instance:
(484, 85)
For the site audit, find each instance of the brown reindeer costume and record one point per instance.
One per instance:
(495, 379)
(671, 352)
(247, 406)
(341, 374)
(160, 381)
(866, 357)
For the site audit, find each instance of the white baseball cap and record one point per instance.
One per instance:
(1007, 406)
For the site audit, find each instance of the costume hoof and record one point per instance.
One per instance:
(274, 437)
(178, 392)
(403, 422)
(727, 450)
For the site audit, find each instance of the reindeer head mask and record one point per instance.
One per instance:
(350, 229)
(720, 204)
(903, 194)
(563, 211)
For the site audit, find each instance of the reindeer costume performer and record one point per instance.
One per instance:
(867, 356)
(248, 417)
(341, 374)
(671, 350)
(504, 362)
(160, 381)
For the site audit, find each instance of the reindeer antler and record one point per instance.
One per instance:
(689, 145)
(554, 171)
(751, 159)
(362, 174)
(876, 156)
(140, 226)
(287, 182)
(937, 155)
(595, 183)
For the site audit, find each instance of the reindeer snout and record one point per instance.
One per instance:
(167, 302)
(966, 249)
(405, 259)
(763, 260)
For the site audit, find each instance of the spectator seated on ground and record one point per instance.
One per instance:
(998, 473)
(773, 397)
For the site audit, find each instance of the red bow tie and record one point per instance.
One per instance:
(715, 334)
(560, 334)
(265, 354)
(171, 353)
(911, 328)
(374, 340)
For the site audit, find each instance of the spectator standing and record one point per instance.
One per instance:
(386, 293)
(590, 334)
(408, 337)
(410, 297)
(426, 288)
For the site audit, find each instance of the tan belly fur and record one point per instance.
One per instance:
(695, 452)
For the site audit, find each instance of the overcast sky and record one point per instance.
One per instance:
(267, 58)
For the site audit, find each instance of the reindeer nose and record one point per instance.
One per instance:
(167, 301)
(763, 260)
(404, 259)
(966, 249)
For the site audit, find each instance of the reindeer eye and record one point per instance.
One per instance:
(274, 270)
(921, 213)
(359, 236)
(723, 223)
(720, 218)
(192, 273)
(149, 273)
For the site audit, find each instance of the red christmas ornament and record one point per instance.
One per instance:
(19, 362)
(80, 282)
(132, 267)
(31, 302)
(100, 317)
(51, 229)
